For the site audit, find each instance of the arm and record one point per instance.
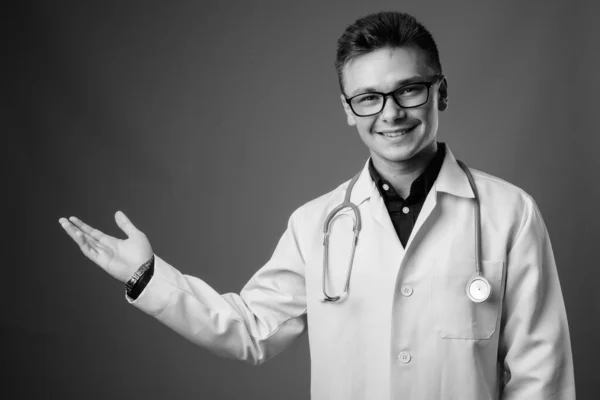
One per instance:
(267, 316)
(535, 348)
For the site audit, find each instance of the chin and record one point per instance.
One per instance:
(405, 149)
(398, 158)
(401, 153)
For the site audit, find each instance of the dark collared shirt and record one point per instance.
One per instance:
(404, 213)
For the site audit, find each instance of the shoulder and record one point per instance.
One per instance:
(323, 204)
(491, 188)
(506, 203)
(310, 216)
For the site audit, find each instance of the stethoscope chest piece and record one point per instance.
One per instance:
(478, 289)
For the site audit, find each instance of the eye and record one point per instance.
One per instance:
(411, 90)
(366, 98)
(407, 90)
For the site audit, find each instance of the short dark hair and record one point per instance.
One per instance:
(382, 30)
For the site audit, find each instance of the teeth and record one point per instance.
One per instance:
(386, 134)
(396, 133)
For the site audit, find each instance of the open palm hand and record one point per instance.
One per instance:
(119, 257)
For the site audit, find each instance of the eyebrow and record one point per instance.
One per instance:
(397, 84)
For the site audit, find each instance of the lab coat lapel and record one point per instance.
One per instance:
(365, 189)
(428, 207)
(380, 213)
(382, 216)
(451, 179)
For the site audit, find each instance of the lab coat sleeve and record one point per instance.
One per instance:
(535, 348)
(267, 316)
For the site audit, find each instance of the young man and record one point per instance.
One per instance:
(451, 290)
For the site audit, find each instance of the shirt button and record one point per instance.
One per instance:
(404, 357)
(386, 186)
(405, 210)
(406, 290)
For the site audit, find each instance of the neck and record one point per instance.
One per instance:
(401, 174)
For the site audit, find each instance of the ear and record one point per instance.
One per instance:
(349, 114)
(443, 95)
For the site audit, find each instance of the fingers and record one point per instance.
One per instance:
(125, 224)
(95, 233)
(72, 231)
(85, 242)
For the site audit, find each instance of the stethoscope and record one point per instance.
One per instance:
(478, 287)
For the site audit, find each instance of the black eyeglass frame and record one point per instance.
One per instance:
(436, 79)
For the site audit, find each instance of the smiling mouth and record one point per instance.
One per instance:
(397, 132)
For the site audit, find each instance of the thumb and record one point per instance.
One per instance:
(125, 224)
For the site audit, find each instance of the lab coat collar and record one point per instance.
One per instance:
(451, 179)
(364, 187)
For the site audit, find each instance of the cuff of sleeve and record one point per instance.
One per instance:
(158, 292)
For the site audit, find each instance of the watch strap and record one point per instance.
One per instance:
(136, 284)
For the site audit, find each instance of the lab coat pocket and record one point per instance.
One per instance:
(455, 315)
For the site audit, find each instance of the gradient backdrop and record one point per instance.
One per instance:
(208, 123)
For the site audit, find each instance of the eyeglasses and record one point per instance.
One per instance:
(408, 96)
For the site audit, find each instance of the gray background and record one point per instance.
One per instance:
(208, 124)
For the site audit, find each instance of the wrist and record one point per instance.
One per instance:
(138, 281)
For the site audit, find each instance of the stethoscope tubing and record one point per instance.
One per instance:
(477, 212)
(357, 227)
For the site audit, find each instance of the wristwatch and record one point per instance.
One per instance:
(140, 279)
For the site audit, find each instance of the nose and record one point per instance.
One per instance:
(391, 110)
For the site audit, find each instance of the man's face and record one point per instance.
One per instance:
(410, 130)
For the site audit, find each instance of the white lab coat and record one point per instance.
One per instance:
(407, 330)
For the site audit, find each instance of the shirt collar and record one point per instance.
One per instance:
(421, 185)
(451, 179)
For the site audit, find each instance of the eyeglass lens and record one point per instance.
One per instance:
(407, 96)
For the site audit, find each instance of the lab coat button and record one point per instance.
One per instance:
(404, 357)
(406, 290)
(385, 186)
(405, 210)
